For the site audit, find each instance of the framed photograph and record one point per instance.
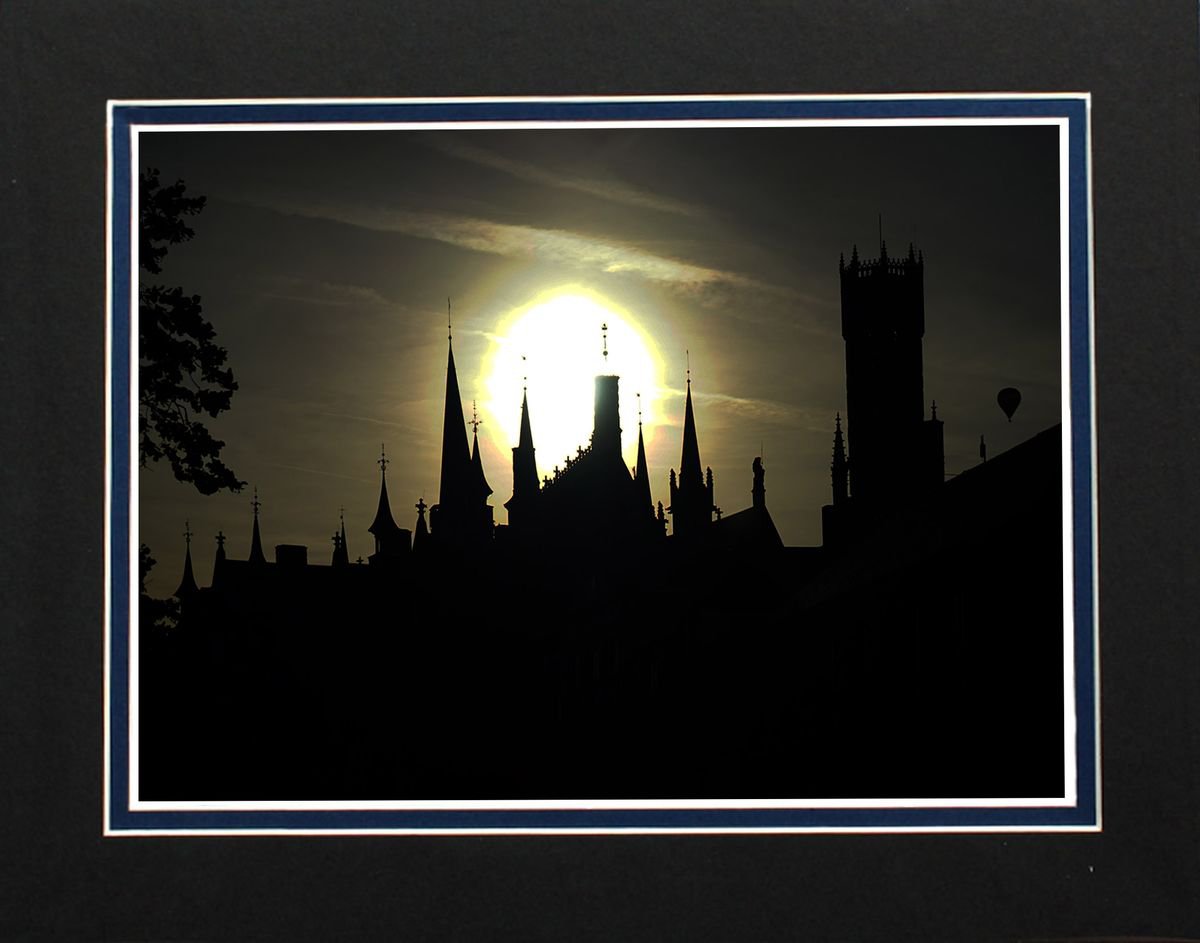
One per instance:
(601, 465)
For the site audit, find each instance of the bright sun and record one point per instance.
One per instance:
(556, 342)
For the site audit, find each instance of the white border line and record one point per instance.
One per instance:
(1070, 721)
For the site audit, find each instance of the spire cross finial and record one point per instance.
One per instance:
(421, 505)
(221, 539)
(476, 422)
(525, 377)
(449, 323)
(382, 461)
(639, 399)
(604, 335)
(187, 532)
(688, 355)
(254, 502)
(342, 514)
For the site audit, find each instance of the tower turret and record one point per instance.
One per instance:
(341, 555)
(883, 322)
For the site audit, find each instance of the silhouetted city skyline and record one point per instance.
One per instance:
(323, 261)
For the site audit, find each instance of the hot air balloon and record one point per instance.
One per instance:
(1009, 399)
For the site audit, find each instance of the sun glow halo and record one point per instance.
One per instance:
(553, 345)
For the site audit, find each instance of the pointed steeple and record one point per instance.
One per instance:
(840, 467)
(456, 456)
(525, 440)
(187, 585)
(256, 550)
(478, 479)
(641, 474)
(383, 528)
(689, 464)
(524, 466)
(220, 557)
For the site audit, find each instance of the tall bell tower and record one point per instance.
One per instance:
(883, 323)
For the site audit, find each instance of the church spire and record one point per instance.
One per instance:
(187, 585)
(256, 550)
(383, 528)
(525, 477)
(641, 474)
(456, 457)
(689, 463)
(840, 466)
(478, 479)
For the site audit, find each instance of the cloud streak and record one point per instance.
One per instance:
(612, 191)
(554, 246)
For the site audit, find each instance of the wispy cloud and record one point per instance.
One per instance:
(555, 246)
(613, 191)
(762, 409)
(324, 294)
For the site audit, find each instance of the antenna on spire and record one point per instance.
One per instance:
(254, 502)
(187, 532)
(449, 325)
(688, 355)
(525, 377)
(604, 335)
(476, 422)
(639, 399)
(342, 515)
(382, 461)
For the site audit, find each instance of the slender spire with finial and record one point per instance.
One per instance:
(480, 480)
(641, 474)
(187, 585)
(840, 467)
(341, 556)
(220, 546)
(604, 336)
(383, 528)
(256, 550)
(449, 323)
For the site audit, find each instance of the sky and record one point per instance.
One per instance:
(324, 261)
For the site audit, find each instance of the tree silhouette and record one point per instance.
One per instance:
(182, 369)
